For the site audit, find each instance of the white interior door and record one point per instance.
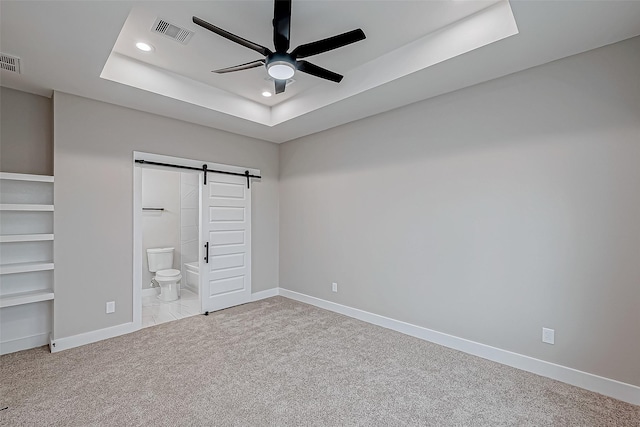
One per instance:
(225, 272)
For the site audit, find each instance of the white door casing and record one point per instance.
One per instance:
(225, 274)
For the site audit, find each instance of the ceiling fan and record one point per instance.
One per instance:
(282, 65)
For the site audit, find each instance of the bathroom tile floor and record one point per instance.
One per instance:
(155, 311)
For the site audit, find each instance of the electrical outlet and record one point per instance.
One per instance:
(548, 335)
(334, 287)
(111, 307)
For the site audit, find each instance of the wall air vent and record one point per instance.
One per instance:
(9, 63)
(172, 31)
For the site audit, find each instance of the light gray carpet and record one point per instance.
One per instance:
(280, 362)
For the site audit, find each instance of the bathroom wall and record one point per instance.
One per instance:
(160, 189)
(189, 218)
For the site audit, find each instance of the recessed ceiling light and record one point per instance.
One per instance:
(266, 94)
(145, 47)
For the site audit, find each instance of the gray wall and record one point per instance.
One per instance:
(160, 229)
(26, 134)
(94, 144)
(487, 213)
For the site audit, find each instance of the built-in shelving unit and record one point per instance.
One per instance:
(26, 268)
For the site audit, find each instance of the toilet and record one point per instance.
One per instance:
(160, 262)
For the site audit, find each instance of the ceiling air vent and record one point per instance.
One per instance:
(9, 63)
(172, 31)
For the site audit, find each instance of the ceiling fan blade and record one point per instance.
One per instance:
(280, 85)
(229, 36)
(247, 66)
(281, 25)
(328, 44)
(314, 70)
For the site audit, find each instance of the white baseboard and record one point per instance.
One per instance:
(257, 296)
(24, 343)
(91, 337)
(608, 387)
(149, 292)
(612, 388)
(114, 331)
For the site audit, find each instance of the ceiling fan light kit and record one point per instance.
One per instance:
(282, 65)
(280, 70)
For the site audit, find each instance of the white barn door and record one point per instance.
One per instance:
(225, 267)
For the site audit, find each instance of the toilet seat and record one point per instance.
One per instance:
(169, 274)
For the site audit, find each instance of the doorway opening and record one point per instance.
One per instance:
(192, 237)
(170, 245)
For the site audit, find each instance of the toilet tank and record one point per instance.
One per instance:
(159, 259)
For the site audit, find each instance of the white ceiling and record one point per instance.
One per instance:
(309, 22)
(414, 50)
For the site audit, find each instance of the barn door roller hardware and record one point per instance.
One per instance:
(204, 169)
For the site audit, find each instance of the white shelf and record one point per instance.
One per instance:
(22, 207)
(25, 177)
(25, 298)
(11, 238)
(25, 267)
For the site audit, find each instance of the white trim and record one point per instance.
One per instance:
(616, 389)
(106, 333)
(137, 246)
(24, 343)
(91, 337)
(257, 296)
(149, 292)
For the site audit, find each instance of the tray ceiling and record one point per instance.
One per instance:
(414, 50)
